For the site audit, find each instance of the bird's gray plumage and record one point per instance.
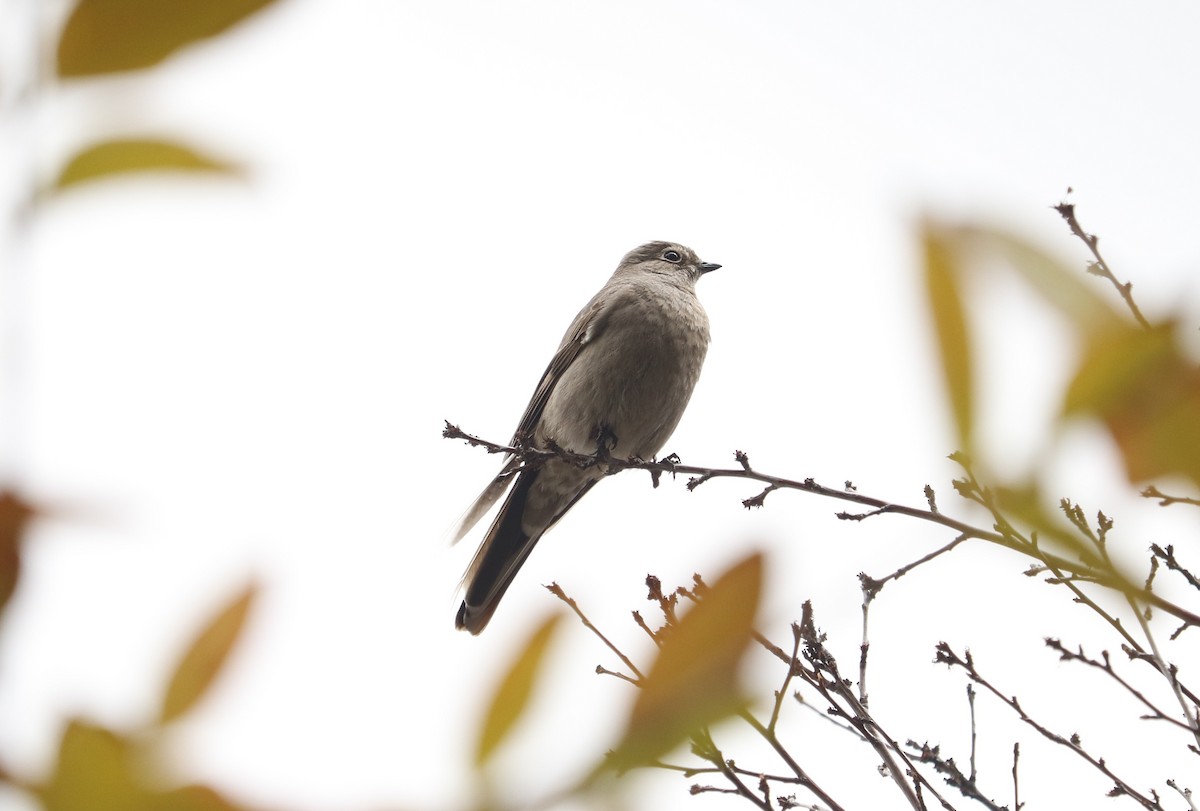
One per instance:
(622, 376)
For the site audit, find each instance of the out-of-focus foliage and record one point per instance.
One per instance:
(204, 659)
(945, 300)
(1079, 299)
(514, 690)
(1132, 375)
(116, 157)
(100, 770)
(1139, 382)
(103, 770)
(106, 36)
(693, 682)
(1136, 381)
(97, 768)
(1147, 393)
(15, 513)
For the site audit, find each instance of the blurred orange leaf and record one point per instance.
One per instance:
(15, 513)
(943, 272)
(1147, 392)
(693, 682)
(203, 660)
(514, 691)
(135, 155)
(105, 36)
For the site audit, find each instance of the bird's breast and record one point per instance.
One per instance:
(635, 377)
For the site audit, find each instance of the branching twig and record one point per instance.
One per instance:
(1002, 536)
(1106, 667)
(1100, 267)
(557, 591)
(812, 665)
(924, 753)
(787, 681)
(786, 756)
(1167, 556)
(842, 702)
(1185, 793)
(872, 586)
(945, 655)
(1167, 501)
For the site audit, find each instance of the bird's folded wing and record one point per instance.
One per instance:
(583, 330)
(490, 495)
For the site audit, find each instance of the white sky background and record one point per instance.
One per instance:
(237, 380)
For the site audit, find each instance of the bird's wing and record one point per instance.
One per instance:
(583, 330)
(490, 495)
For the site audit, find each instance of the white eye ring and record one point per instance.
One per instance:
(672, 256)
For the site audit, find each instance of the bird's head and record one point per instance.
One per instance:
(667, 259)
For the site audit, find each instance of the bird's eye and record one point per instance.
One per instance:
(672, 256)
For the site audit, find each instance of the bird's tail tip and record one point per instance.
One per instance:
(471, 619)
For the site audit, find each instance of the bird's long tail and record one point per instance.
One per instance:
(503, 552)
(499, 558)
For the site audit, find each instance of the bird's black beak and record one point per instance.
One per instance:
(708, 267)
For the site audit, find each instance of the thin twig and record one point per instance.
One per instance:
(924, 753)
(705, 747)
(1106, 667)
(864, 647)
(875, 585)
(1185, 793)
(1167, 501)
(1016, 781)
(787, 681)
(1100, 267)
(1013, 541)
(945, 655)
(1159, 661)
(1167, 556)
(801, 775)
(557, 591)
(971, 705)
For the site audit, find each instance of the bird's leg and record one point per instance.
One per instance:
(606, 440)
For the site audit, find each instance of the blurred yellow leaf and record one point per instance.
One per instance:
(99, 770)
(1061, 286)
(135, 155)
(203, 660)
(92, 772)
(513, 693)
(943, 272)
(693, 682)
(192, 798)
(104, 36)
(1147, 392)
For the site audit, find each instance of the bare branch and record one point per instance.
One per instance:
(1167, 556)
(1003, 535)
(1167, 501)
(1106, 667)
(945, 655)
(557, 591)
(1100, 267)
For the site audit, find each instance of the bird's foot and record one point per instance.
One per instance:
(606, 441)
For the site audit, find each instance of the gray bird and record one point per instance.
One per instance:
(619, 383)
